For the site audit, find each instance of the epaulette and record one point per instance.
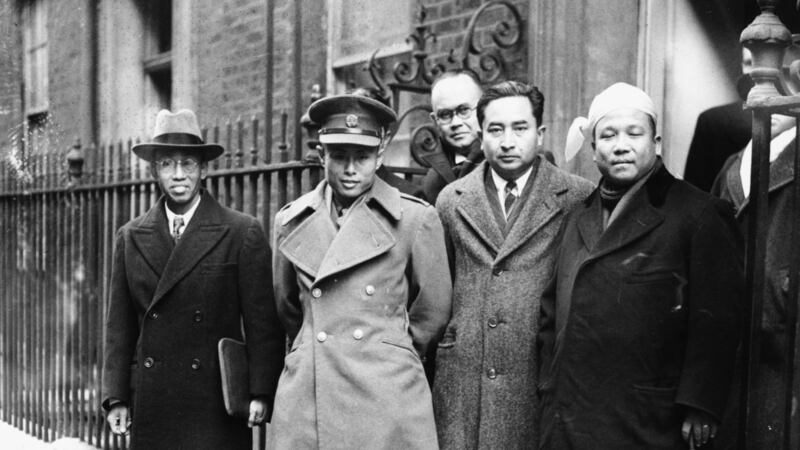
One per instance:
(414, 199)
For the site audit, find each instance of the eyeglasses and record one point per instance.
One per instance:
(445, 116)
(168, 165)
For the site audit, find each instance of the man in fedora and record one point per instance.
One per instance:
(362, 287)
(185, 274)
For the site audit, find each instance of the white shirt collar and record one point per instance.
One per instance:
(458, 157)
(500, 185)
(186, 217)
(776, 146)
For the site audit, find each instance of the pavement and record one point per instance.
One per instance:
(15, 439)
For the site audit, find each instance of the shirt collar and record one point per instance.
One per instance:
(500, 182)
(186, 217)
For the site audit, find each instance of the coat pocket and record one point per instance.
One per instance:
(404, 346)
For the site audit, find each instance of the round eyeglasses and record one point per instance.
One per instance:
(445, 115)
(168, 166)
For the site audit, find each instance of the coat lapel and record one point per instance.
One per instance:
(589, 221)
(781, 172)
(152, 238)
(539, 207)
(202, 234)
(474, 208)
(638, 219)
(439, 162)
(364, 235)
(306, 245)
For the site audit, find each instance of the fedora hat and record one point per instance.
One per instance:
(177, 131)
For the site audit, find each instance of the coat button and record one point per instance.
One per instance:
(370, 289)
(497, 271)
(195, 364)
(358, 334)
(148, 362)
(491, 373)
(198, 316)
(322, 336)
(492, 322)
(153, 315)
(316, 292)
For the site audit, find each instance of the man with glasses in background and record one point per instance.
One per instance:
(186, 274)
(454, 97)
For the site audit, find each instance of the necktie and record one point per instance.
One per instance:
(510, 197)
(177, 224)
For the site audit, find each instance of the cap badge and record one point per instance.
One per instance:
(351, 121)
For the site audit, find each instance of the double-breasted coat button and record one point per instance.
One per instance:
(497, 271)
(492, 322)
(358, 334)
(322, 336)
(148, 362)
(370, 289)
(491, 373)
(198, 316)
(195, 364)
(153, 315)
(316, 292)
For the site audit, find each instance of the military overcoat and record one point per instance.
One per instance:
(485, 384)
(360, 305)
(169, 306)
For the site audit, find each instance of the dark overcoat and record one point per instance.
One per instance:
(169, 306)
(766, 414)
(360, 305)
(442, 169)
(641, 319)
(486, 366)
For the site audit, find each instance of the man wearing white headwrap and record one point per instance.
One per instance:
(639, 325)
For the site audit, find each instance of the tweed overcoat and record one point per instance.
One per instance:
(169, 306)
(485, 385)
(766, 415)
(641, 319)
(360, 304)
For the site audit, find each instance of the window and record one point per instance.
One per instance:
(157, 60)
(35, 59)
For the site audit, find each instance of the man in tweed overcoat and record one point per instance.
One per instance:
(501, 253)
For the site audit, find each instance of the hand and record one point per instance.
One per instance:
(119, 419)
(698, 427)
(258, 412)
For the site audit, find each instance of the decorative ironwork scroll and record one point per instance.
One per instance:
(506, 35)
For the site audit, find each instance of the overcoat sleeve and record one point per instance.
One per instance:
(715, 288)
(430, 283)
(122, 330)
(263, 331)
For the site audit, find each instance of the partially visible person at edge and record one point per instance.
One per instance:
(363, 288)
(186, 274)
(640, 324)
(733, 184)
(454, 97)
(720, 132)
(500, 222)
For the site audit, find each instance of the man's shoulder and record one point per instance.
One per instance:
(296, 208)
(563, 179)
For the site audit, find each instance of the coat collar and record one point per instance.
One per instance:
(640, 216)
(441, 164)
(539, 206)
(174, 262)
(317, 248)
(781, 173)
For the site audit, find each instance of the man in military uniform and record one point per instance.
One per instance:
(363, 289)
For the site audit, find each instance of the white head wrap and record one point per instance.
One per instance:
(616, 96)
